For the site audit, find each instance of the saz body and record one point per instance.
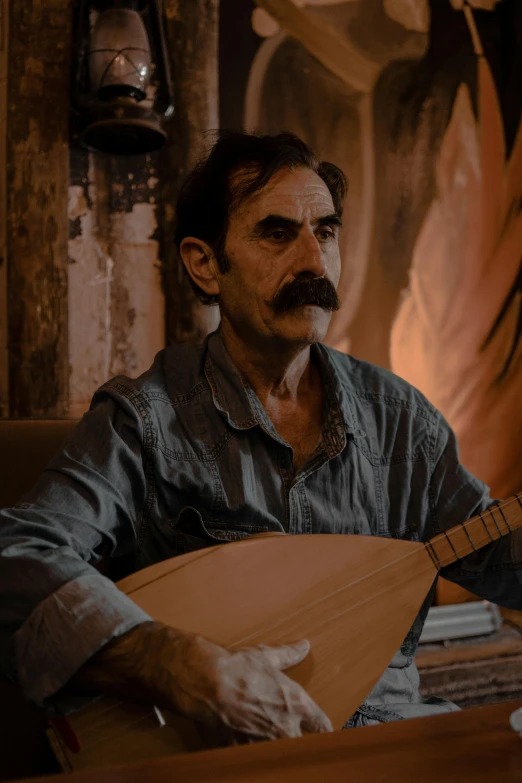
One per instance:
(353, 597)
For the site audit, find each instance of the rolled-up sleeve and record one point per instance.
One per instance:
(56, 608)
(495, 571)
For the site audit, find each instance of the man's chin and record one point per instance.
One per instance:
(306, 324)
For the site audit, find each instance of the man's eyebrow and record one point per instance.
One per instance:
(275, 221)
(328, 220)
(279, 221)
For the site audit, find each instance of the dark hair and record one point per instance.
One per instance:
(208, 195)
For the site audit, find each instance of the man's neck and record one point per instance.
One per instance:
(278, 374)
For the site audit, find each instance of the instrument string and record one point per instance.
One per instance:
(469, 538)
(485, 526)
(318, 601)
(497, 526)
(312, 604)
(464, 526)
(342, 612)
(500, 508)
(463, 552)
(427, 544)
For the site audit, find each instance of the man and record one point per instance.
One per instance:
(261, 428)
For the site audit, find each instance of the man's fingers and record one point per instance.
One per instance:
(240, 738)
(289, 729)
(315, 720)
(285, 655)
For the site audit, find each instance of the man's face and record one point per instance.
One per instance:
(280, 242)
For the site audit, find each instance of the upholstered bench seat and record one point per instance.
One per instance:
(26, 447)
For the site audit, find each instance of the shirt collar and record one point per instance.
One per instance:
(228, 387)
(340, 396)
(239, 404)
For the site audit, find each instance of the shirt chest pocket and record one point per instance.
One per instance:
(403, 498)
(191, 532)
(399, 457)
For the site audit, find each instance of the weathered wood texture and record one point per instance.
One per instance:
(192, 42)
(37, 180)
(4, 62)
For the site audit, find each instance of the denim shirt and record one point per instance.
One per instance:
(185, 456)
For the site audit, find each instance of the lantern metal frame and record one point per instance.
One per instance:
(88, 107)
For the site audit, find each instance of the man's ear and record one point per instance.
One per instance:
(201, 264)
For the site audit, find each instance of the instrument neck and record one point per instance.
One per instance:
(480, 530)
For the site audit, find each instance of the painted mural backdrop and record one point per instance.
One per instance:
(419, 103)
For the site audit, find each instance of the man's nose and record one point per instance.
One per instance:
(309, 256)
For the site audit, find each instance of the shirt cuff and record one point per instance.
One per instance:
(68, 628)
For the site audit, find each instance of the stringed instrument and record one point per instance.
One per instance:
(353, 597)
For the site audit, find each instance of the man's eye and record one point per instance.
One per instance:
(278, 235)
(326, 234)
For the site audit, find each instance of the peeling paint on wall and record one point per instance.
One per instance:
(116, 305)
(137, 304)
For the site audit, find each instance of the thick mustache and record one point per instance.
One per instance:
(306, 291)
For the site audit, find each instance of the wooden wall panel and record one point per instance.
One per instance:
(37, 228)
(4, 361)
(88, 238)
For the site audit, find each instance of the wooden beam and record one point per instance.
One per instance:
(4, 361)
(37, 226)
(192, 43)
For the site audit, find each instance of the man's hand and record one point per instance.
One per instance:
(244, 691)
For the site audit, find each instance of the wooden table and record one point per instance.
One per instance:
(466, 747)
